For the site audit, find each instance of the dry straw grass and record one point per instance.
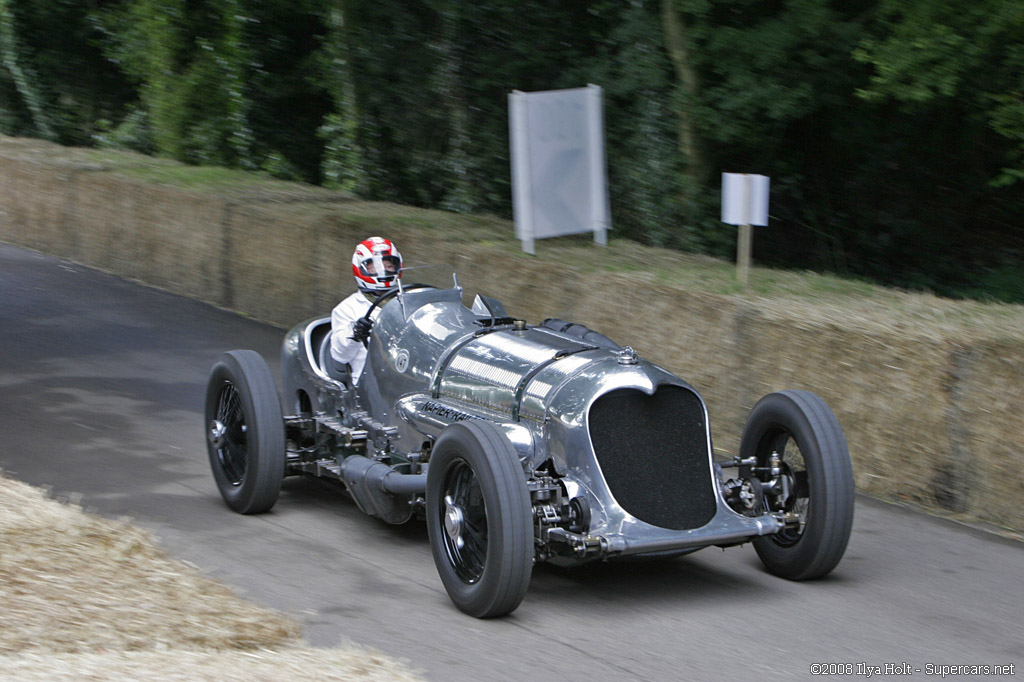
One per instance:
(87, 598)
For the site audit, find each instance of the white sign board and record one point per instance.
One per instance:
(559, 180)
(744, 199)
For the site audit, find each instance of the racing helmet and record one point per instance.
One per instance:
(376, 265)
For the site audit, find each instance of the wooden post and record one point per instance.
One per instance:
(743, 254)
(743, 246)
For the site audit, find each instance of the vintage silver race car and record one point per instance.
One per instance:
(523, 443)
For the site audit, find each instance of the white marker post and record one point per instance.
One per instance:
(744, 203)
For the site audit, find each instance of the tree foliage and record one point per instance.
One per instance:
(893, 130)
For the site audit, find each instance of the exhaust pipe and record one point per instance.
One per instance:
(379, 490)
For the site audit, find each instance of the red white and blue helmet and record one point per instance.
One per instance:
(377, 265)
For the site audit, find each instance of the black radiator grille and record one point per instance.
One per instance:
(653, 451)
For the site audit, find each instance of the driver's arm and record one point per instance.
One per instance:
(344, 349)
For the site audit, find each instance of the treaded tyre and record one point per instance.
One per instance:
(815, 460)
(245, 432)
(479, 519)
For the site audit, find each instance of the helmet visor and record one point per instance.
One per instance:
(381, 268)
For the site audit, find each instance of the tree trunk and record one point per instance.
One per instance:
(234, 63)
(678, 47)
(344, 164)
(457, 160)
(22, 76)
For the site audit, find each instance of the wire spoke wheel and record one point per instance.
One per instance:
(797, 502)
(465, 517)
(804, 467)
(245, 432)
(479, 519)
(227, 433)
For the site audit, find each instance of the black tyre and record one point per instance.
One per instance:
(815, 462)
(245, 432)
(479, 519)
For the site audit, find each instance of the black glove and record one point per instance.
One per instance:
(361, 329)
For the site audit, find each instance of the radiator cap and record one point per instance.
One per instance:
(627, 356)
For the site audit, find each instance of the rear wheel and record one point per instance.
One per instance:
(797, 433)
(479, 519)
(245, 432)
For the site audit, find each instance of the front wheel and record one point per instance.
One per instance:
(479, 519)
(245, 432)
(797, 434)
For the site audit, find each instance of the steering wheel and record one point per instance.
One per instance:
(383, 297)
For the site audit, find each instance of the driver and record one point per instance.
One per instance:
(377, 266)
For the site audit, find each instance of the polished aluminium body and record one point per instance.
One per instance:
(616, 451)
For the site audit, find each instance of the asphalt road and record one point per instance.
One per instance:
(101, 388)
